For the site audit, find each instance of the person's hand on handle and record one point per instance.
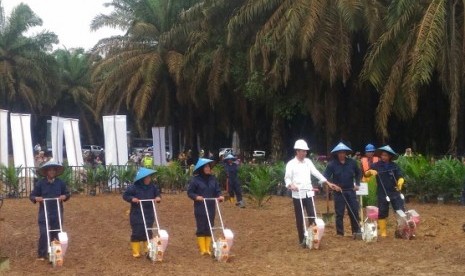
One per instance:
(135, 200)
(39, 199)
(198, 198)
(334, 187)
(220, 198)
(157, 199)
(293, 187)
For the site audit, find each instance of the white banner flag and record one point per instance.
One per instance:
(116, 140)
(159, 152)
(72, 141)
(57, 139)
(22, 142)
(4, 137)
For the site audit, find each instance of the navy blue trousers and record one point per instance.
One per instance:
(299, 220)
(138, 232)
(43, 246)
(383, 205)
(340, 205)
(203, 229)
(234, 188)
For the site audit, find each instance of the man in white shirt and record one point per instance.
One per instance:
(298, 180)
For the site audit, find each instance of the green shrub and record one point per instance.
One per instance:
(71, 179)
(371, 198)
(426, 179)
(415, 170)
(91, 179)
(104, 173)
(244, 173)
(11, 179)
(278, 172)
(262, 182)
(124, 176)
(172, 177)
(220, 174)
(445, 177)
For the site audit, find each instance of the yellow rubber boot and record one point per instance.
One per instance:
(208, 242)
(382, 227)
(145, 248)
(201, 243)
(135, 246)
(232, 199)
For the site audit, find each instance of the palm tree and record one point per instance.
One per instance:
(27, 71)
(75, 88)
(420, 39)
(313, 39)
(134, 74)
(209, 74)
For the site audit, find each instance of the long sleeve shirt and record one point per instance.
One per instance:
(343, 174)
(388, 174)
(299, 173)
(205, 186)
(141, 191)
(47, 189)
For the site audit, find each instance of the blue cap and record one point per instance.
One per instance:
(369, 148)
(202, 162)
(142, 173)
(340, 147)
(387, 149)
(230, 157)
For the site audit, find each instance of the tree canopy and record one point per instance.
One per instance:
(360, 71)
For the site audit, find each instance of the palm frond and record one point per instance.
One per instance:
(215, 76)
(311, 23)
(391, 91)
(174, 61)
(379, 59)
(351, 11)
(430, 36)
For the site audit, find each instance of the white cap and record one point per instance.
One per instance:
(301, 144)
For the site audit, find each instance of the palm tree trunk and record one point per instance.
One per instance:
(330, 116)
(277, 127)
(454, 79)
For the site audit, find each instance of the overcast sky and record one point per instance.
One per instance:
(69, 19)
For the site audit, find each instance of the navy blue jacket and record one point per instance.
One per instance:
(388, 174)
(343, 174)
(206, 186)
(141, 191)
(231, 171)
(46, 189)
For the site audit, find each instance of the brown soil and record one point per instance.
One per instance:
(265, 242)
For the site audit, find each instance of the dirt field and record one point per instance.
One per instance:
(265, 243)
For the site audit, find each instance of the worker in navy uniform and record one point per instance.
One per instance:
(344, 172)
(143, 188)
(49, 187)
(390, 181)
(234, 188)
(204, 185)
